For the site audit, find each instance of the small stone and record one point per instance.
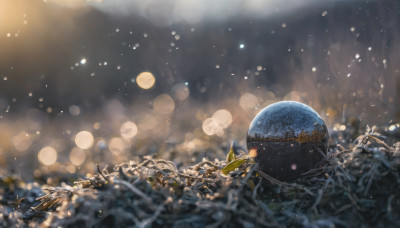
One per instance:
(287, 139)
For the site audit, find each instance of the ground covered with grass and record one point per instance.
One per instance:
(357, 186)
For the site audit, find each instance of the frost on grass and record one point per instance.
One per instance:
(354, 187)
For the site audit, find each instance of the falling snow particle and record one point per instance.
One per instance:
(314, 69)
(384, 61)
(357, 56)
(83, 61)
(324, 13)
(241, 46)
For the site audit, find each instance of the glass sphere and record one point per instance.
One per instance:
(287, 139)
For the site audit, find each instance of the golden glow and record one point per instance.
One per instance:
(77, 156)
(223, 118)
(84, 140)
(116, 145)
(96, 126)
(71, 3)
(47, 155)
(128, 130)
(248, 101)
(219, 121)
(145, 80)
(163, 104)
(211, 127)
(294, 96)
(341, 127)
(253, 152)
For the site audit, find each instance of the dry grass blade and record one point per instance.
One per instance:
(350, 188)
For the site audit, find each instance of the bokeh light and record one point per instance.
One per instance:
(77, 156)
(84, 140)
(101, 144)
(181, 91)
(128, 130)
(145, 80)
(163, 104)
(219, 121)
(116, 146)
(248, 101)
(47, 155)
(22, 141)
(223, 118)
(148, 122)
(74, 110)
(212, 127)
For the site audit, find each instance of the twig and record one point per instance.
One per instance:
(99, 171)
(149, 221)
(321, 193)
(133, 189)
(270, 179)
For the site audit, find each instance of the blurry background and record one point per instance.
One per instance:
(84, 82)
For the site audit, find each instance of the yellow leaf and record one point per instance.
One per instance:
(231, 155)
(233, 165)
